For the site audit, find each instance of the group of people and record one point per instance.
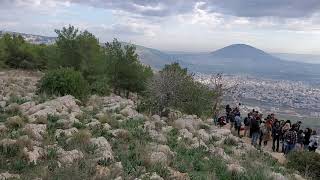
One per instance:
(262, 130)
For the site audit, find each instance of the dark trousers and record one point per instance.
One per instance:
(275, 143)
(238, 128)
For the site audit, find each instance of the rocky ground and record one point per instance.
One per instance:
(106, 138)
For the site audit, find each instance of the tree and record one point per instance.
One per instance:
(174, 87)
(15, 52)
(78, 50)
(125, 71)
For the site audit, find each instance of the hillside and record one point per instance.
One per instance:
(106, 138)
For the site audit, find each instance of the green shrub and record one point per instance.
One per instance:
(64, 81)
(101, 87)
(307, 163)
(230, 141)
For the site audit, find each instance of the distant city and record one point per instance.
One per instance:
(282, 96)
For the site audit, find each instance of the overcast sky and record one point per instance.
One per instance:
(289, 26)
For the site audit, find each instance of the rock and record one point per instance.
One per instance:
(7, 142)
(3, 104)
(166, 129)
(173, 115)
(158, 157)
(95, 124)
(120, 133)
(217, 151)
(155, 176)
(27, 105)
(7, 175)
(176, 175)
(203, 135)
(156, 136)
(66, 105)
(104, 149)
(235, 168)
(102, 172)
(35, 131)
(161, 148)
(66, 133)
(298, 177)
(277, 176)
(186, 134)
(221, 132)
(68, 123)
(188, 122)
(155, 118)
(68, 157)
(33, 155)
(129, 112)
(3, 128)
(14, 107)
(198, 143)
(106, 127)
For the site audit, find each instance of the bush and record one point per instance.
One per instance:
(64, 81)
(100, 87)
(307, 163)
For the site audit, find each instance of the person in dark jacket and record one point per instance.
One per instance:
(300, 142)
(255, 130)
(307, 135)
(276, 132)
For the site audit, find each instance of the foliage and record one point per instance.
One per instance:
(101, 86)
(15, 52)
(64, 81)
(175, 88)
(124, 69)
(307, 163)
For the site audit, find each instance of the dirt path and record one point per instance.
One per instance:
(268, 149)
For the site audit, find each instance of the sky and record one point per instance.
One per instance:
(287, 26)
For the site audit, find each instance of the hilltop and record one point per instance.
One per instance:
(107, 138)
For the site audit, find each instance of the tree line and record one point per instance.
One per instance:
(79, 65)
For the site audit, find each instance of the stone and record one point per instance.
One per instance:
(161, 148)
(3, 128)
(176, 175)
(104, 149)
(155, 176)
(298, 177)
(235, 168)
(33, 155)
(156, 118)
(203, 135)
(66, 105)
(120, 133)
(66, 132)
(186, 134)
(3, 104)
(217, 151)
(277, 176)
(27, 105)
(68, 157)
(129, 112)
(7, 175)
(94, 124)
(106, 127)
(35, 131)
(158, 157)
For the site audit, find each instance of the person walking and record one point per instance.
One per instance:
(314, 141)
(286, 126)
(246, 123)
(255, 130)
(290, 139)
(276, 132)
(307, 135)
(237, 123)
(300, 142)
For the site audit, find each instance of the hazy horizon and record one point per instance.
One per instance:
(191, 25)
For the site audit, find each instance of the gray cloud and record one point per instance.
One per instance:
(242, 8)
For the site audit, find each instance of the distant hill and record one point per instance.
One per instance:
(233, 59)
(36, 39)
(304, 58)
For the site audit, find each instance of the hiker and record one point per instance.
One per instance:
(232, 119)
(300, 142)
(237, 123)
(290, 139)
(255, 130)
(284, 128)
(298, 124)
(314, 141)
(228, 113)
(276, 133)
(268, 129)
(307, 135)
(246, 122)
